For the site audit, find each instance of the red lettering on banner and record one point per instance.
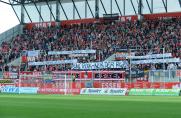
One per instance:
(25, 73)
(6, 84)
(29, 26)
(128, 18)
(58, 91)
(10, 75)
(110, 85)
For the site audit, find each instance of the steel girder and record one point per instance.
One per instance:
(121, 10)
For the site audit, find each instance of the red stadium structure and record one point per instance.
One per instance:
(62, 46)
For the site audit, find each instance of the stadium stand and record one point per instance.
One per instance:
(105, 37)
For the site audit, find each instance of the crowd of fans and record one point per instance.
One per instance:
(107, 38)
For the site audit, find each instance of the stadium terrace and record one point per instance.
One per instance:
(129, 50)
(96, 51)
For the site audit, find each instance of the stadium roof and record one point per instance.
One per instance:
(57, 10)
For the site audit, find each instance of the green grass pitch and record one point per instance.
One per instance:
(59, 106)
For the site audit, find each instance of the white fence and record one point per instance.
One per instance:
(165, 76)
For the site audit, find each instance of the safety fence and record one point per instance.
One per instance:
(165, 76)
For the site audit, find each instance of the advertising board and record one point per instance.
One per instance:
(155, 92)
(142, 92)
(58, 91)
(103, 91)
(25, 90)
(167, 92)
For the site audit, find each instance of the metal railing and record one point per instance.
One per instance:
(165, 76)
(1, 74)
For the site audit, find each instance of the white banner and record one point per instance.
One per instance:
(100, 65)
(78, 55)
(152, 56)
(103, 91)
(154, 61)
(71, 52)
(52, 62)
(30, 59)
(13, 89)
(34, 53)
(124, 54)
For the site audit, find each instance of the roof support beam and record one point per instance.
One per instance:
(89, 8)
(103, 7)
(5, 2)
(22, 12)
(15, 12)
(50, 10)
(152, 6)
(63, 9)
(140, 7)
(179, 2)
(149, 6)
(133, 6)
(111, 6)
(76, 9)
(124, 7)
(96, 9)
(17, 2)
(57, 12)
(118, 7)
(38, 10)
(26, 13)
(165, 5)
(85, 9)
